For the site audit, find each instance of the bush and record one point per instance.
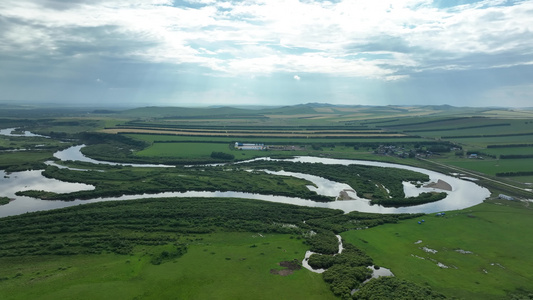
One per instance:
(222, 155)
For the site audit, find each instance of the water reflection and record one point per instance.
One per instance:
(322, 186)
(9, 132)
(33, 180)
(74, 153)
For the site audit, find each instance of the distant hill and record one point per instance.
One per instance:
(184, 112)
(317, 109)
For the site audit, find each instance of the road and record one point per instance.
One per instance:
(463, 171)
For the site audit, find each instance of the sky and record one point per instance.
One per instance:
(267, 52)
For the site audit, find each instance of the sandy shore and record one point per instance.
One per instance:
(440, 184)
(343, 195)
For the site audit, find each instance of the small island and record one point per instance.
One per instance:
(4, 200)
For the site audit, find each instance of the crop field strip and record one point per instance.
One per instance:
(252, 134)
(266, 131)
(152, 138)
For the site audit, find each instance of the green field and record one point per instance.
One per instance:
(496, 235)
(482, 142)
(509, 151)
(202, 273)
(183, 150)
(493, 166)
(154, 137)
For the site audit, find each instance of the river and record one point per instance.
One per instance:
(463, 194)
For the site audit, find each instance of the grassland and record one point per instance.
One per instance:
(112, 248)
(493, 166)
(202, 273)
(183, 150)
(106, 250)
(499, 261)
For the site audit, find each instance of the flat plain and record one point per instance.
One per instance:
(483, 251)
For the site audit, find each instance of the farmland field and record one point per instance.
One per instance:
(493, 166)
(510, 151)
(278, 140)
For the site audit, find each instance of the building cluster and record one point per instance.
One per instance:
(506, 197)
(246, 146)
(392, 150)
(242, 146)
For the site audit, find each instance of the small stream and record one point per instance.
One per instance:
(376, 273)
(305, 261)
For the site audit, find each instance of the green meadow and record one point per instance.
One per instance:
(509, 151)
(482, 142)
(183, 150)
(493, 166)
(265, 140)
(216, 266)
(485, 250)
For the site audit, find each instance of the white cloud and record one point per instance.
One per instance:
(268, 36)
(296, 77)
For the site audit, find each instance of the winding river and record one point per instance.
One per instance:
(463, 194)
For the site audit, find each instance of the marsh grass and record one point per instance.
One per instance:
(495, 234)
(204, 272)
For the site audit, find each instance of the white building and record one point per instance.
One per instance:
(242, 146)
(505, 197)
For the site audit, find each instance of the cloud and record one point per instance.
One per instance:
(297, 78)
(387, 41)
(283, 34)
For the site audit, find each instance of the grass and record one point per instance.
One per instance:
(203, 150)
(154, 137)
(493, 166)
(226, 266)
(484, 141)
(185, 150)
(23, 158)
(17, 142)
(500, 261)
(509, 151)
(202, 273)
(4, 200)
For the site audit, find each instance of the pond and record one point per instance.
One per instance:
(462, 195)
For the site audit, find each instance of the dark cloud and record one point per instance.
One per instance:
(66, 4)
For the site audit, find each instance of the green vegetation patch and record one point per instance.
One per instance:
(394, 288)
(478, 253)
(4, 200)
(117, 181)
(24, 160)
(185, 248)
(379, 184)
(494, 166)
(183, 150)
(216, 266)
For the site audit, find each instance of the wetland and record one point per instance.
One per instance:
(143, 200)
